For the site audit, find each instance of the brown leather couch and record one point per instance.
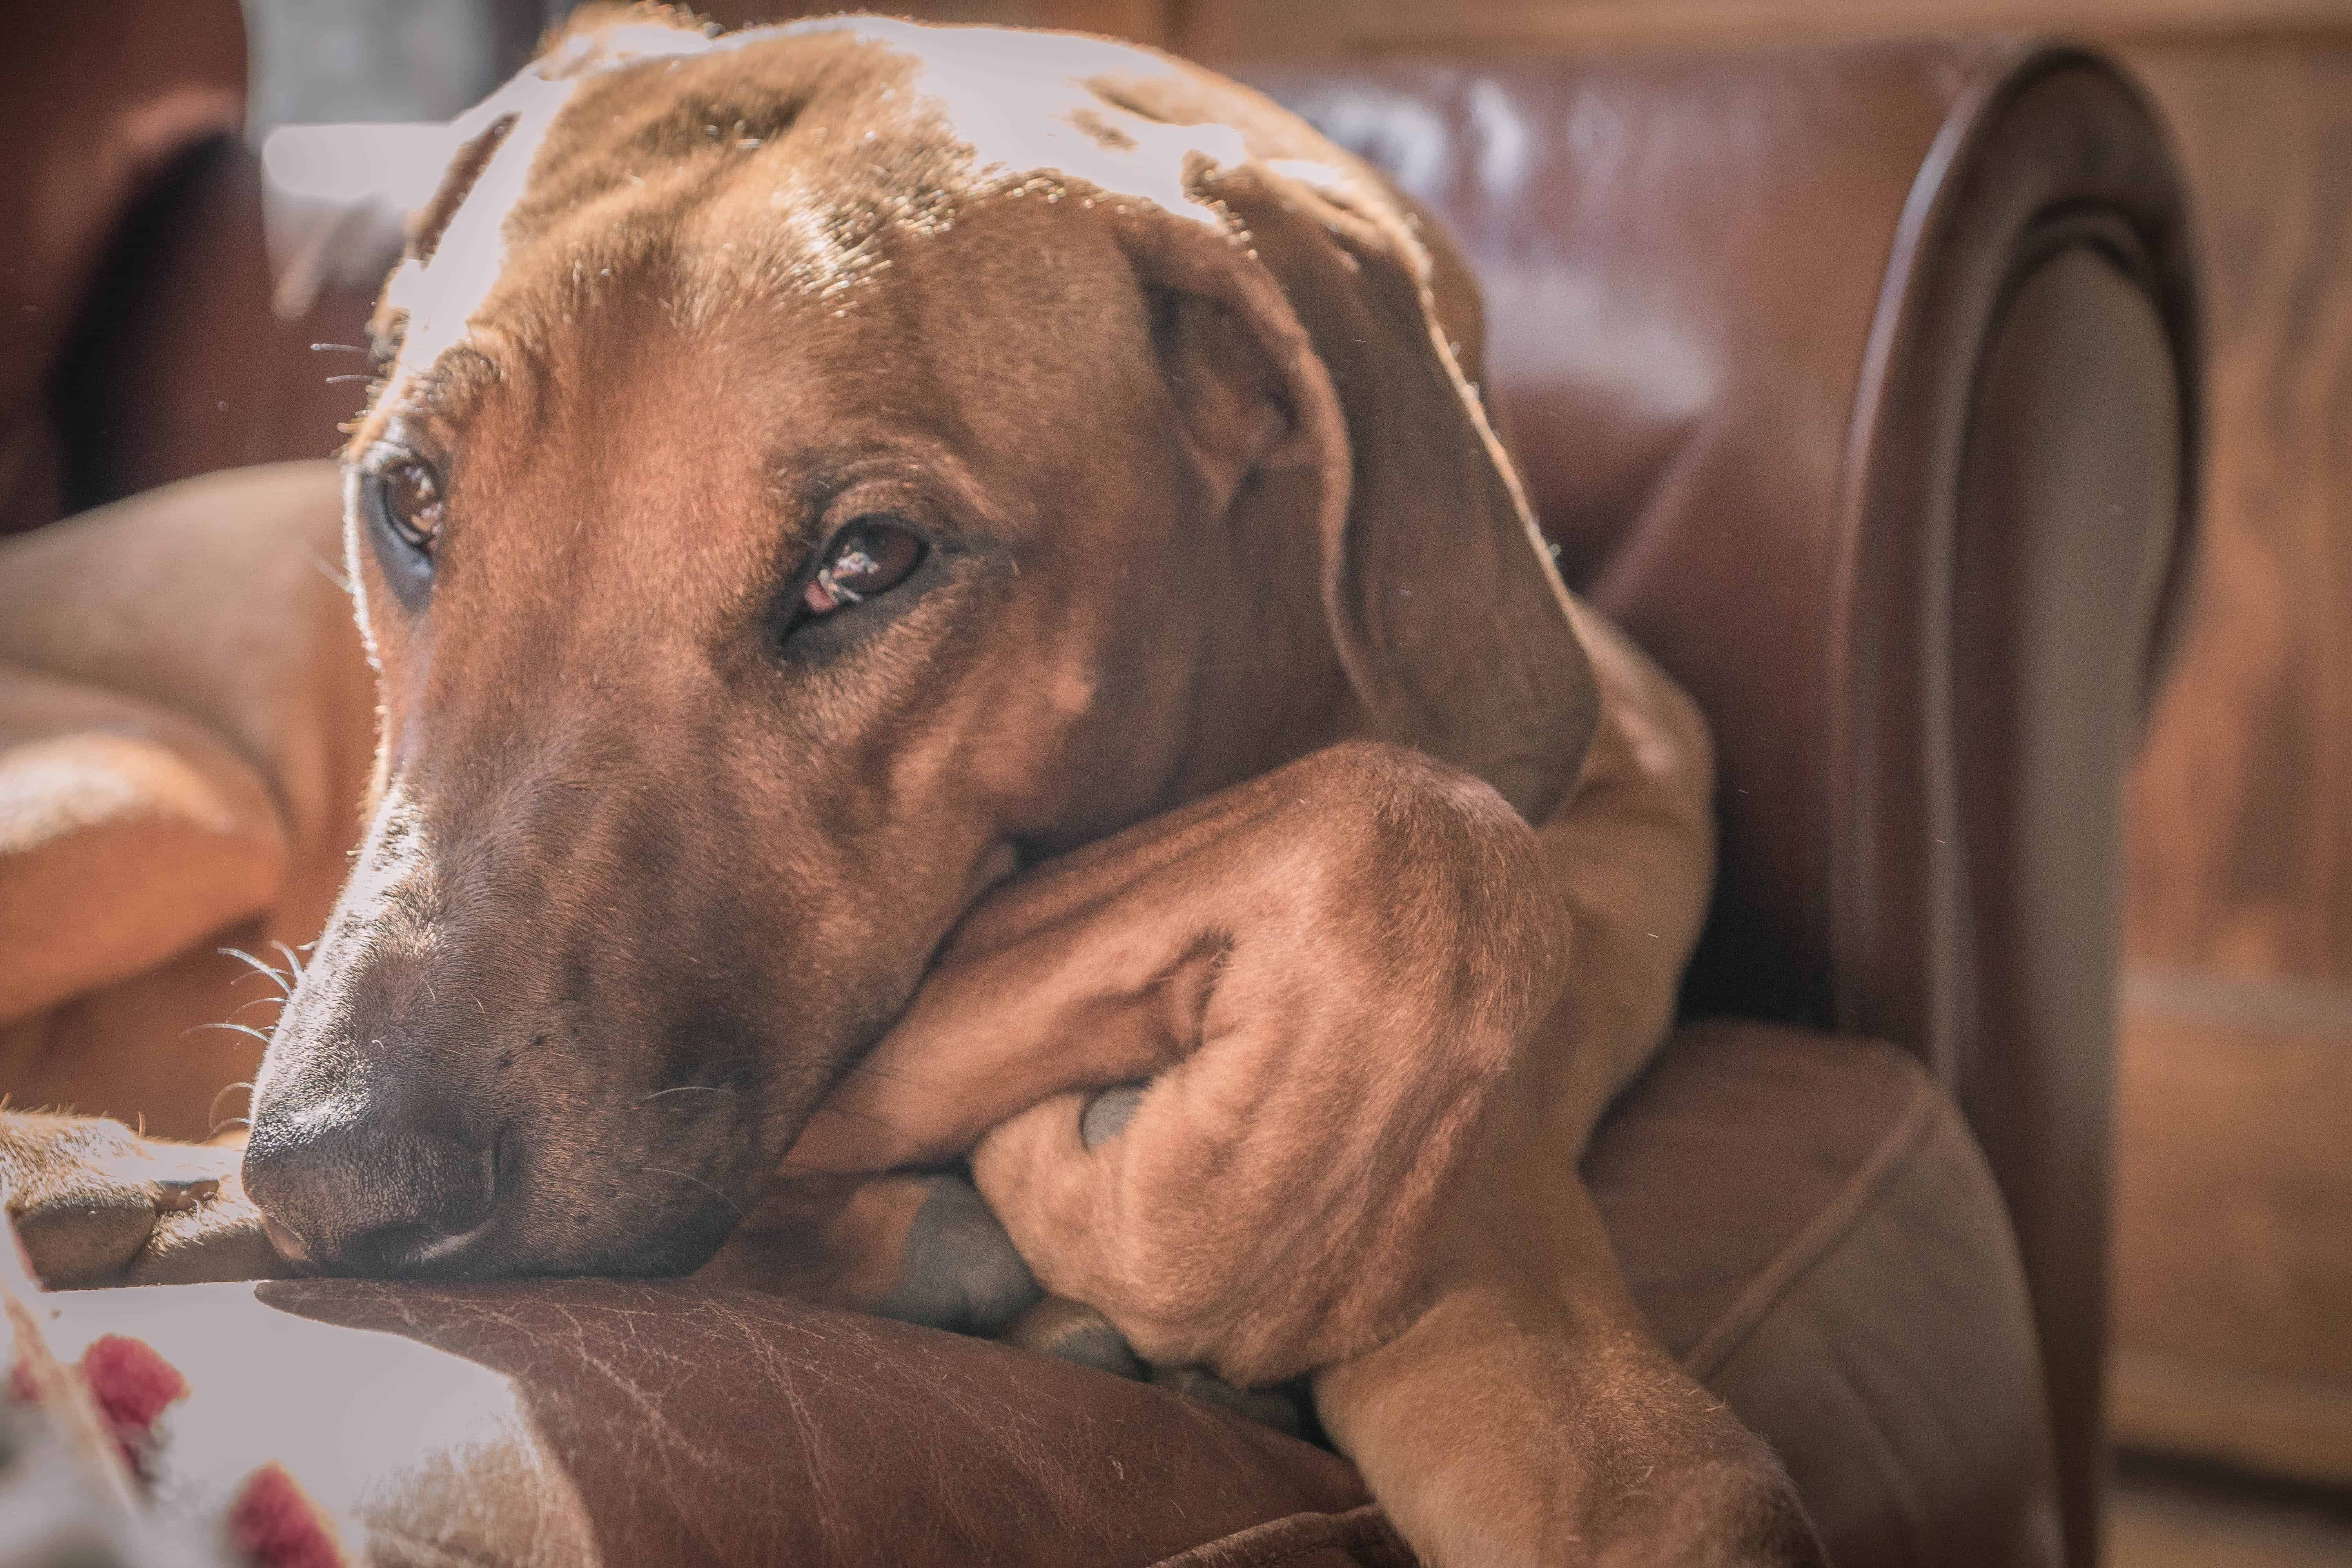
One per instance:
(1861, 384)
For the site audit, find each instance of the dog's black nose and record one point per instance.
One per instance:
(364, 1192)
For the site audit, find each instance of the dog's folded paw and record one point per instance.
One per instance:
(1287, 1408)
(1073, 1331)
(94, 1204)
(960, 1269)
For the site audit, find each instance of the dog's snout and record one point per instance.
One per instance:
(362, 1191)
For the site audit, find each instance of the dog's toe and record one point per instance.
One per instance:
(85, 1238)
(1284, 1406)
(1107, 1114)
(85, 1194)
(1072, 1331)
(961, 1271)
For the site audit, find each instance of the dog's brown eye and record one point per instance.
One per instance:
(409, 494)
(872, 555)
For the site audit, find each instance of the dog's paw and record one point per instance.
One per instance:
(1287, 1407)
(1073, 1331)
(1107, 1114)
(94, 1204)
(961, 1271)
(84, 1194)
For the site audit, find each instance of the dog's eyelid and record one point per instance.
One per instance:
(382, 453)
(397, 443)
(919, 521)
(920, 479)
(833, 503)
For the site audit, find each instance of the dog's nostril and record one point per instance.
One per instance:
(363, 1194)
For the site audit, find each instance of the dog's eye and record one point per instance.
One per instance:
(872, 555)
(408, 497)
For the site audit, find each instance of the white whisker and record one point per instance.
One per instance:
(687, 1089)
(284, 986)
(698, 1180)
(293, 959)
(238, 1028)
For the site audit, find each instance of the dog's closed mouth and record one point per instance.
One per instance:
(286, 1243)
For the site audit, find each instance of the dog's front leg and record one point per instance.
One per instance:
(1527, 1416)
(1496, 1386)
(1317, 976)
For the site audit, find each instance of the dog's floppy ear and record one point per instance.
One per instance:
(1440, 594)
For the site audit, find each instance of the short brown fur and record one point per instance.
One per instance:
(1206, 754)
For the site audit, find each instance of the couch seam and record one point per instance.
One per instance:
(1820, 1237)
(1337, 1528)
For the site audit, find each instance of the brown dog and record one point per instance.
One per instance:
(944, 594)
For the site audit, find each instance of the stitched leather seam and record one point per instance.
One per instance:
(1818, 1239)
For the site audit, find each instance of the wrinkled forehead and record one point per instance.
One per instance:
(777, 164)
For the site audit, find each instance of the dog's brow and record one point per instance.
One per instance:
(446, 391)
(458, 380)
(932, 479)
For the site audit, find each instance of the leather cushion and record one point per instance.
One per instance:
(567, 1423)
(1813, 1231)
(1803, 1217)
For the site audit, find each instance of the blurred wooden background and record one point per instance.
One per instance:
(2235, 1182)
(2234, 1291)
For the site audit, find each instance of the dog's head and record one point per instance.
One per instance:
(823, 469)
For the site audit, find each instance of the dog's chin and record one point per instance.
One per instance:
(687, 1237)
(684, 1233)
(673, 1253)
